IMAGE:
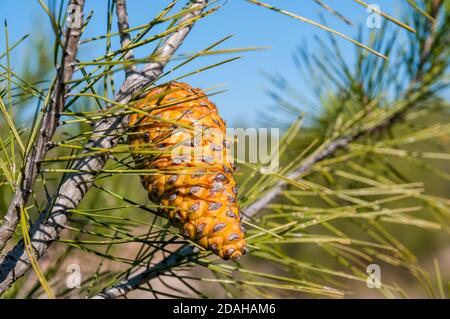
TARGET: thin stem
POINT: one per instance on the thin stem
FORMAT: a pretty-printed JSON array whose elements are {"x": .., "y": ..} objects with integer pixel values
[
  {"x": 125, "y": 38},
  {"x": 36, "y": 150}
]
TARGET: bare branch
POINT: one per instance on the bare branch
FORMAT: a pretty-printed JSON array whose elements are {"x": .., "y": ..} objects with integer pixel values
[
  {"x": 122, "y": 289},
  {"x": 106, "y": 135},
  {"x": 262, "y": 202},
  {"x": 125, "y": 38},
  {"x": 49, "y": 123},
  {"x": 168, "y": 48}
]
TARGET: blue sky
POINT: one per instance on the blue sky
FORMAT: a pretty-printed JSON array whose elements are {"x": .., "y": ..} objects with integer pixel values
[{"x": 250, "y": 26}]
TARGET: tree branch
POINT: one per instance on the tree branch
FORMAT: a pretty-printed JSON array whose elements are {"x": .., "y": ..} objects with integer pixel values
[
  {"x": 122, "y": 289},
  {"x": 48, "y": 127},
  {"x": 343, "y": 141},
  {"x": 106, "y": 135},
  {"x": 125, "y": 38}
]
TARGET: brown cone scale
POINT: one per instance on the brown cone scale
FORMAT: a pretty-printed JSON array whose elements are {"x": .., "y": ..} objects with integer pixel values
[{"x": 197, "y": 190}]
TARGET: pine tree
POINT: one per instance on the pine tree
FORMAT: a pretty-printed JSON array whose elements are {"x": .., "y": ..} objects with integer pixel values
[{"x": 361, "y": 182}]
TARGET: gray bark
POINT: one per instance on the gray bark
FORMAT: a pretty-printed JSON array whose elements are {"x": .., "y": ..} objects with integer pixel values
[{"x": 48, "y": 126}]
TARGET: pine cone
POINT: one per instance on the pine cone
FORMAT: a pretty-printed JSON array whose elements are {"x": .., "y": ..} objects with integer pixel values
[{"x": 197, "y": 191}]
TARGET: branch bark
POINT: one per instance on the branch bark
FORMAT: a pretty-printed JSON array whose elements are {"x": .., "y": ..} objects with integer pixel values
[
  {"x": 105, "y": 135},
  {"x": 123, "y": 288},
  {"x": 125, "y": 38},
  {"x": 48, "y": 126}
]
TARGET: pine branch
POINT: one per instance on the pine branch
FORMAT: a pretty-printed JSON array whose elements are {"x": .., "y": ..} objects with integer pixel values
[
  {"x": 125, "y": 38},
  {"x": 343, "y": 141},
  {"x": 48, "y": 127},
  {"x": 187, "y": 251},
  {"x": 162, "y": 54},
  {"x": 122, "y": 289},
  {"x": 428, "y": 45},
  {"x": 106, "y": 135}
]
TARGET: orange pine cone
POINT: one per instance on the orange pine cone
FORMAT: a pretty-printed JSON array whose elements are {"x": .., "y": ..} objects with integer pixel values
[{"x": 197, "y": 190}]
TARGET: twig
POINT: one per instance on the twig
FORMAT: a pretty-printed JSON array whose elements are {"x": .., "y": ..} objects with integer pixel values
[
  {"x": 106, "y": 135},
  {"x": 125, "y": 38},
  {"x": 123, "y": 288},
  {"x": 48, "y": 126},
  {"x": 162, "y": 54},
  {"x": 262, "y": 202}
]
